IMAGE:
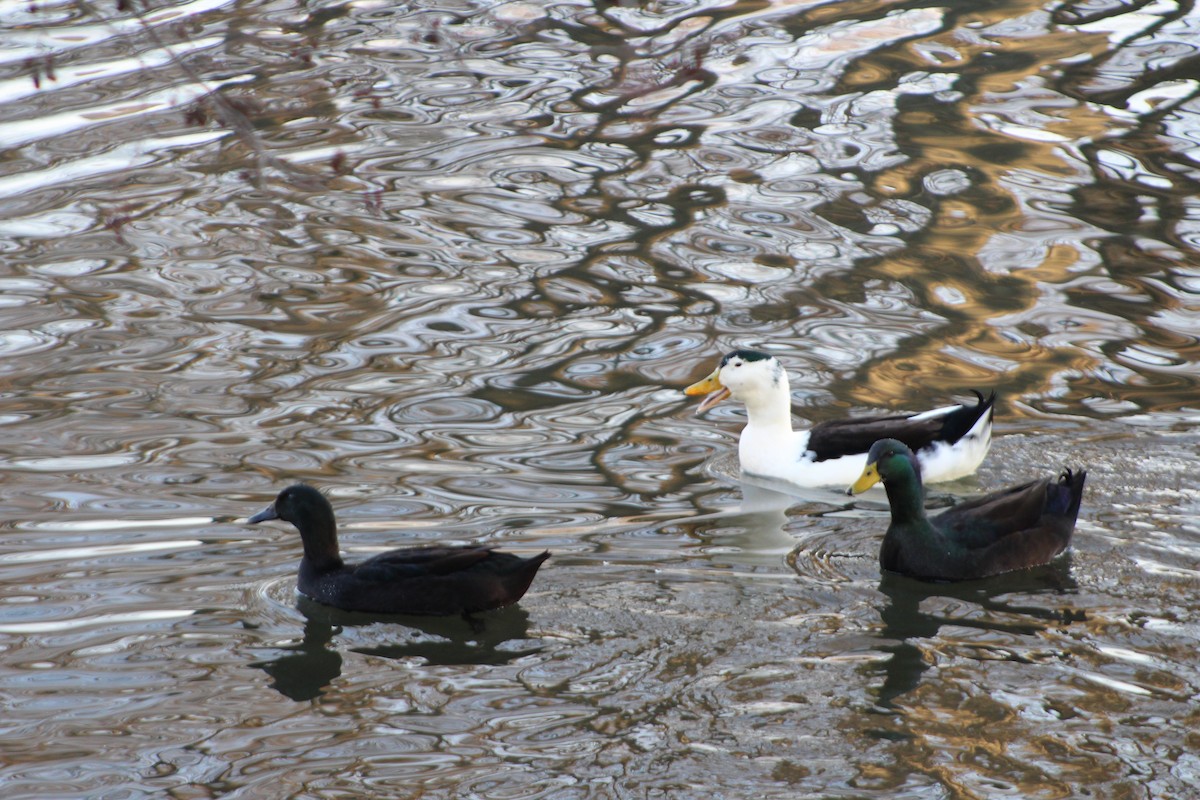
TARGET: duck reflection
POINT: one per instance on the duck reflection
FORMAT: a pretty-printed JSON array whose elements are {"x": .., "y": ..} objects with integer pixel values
[
  {"x": 754, "y": 532},
  {"x": 1009, "y": 602},
  {"x": 758, "y": 524},
  {"x": 309, "y": 666}
]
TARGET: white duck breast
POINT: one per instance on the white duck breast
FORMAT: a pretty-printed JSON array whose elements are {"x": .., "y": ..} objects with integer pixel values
[{"x": 950, "y": 442}]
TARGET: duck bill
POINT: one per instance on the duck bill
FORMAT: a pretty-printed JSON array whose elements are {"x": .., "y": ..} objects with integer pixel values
[
  {"x": 710, "y": 386},
  {"x": 264, "y": 515},
  {"x": 869, "y": 478}
]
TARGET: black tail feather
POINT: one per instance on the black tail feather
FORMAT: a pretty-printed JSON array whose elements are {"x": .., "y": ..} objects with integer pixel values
[
  {"x": 1070, "y": 492},
  {"x": 959, "y": 423}
]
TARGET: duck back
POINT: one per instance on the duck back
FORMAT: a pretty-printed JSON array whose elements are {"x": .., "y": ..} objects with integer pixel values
[{"x": 424, "y": 581}]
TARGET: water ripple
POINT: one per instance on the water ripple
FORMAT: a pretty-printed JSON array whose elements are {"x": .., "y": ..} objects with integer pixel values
[{"x": 454, "y": 267}]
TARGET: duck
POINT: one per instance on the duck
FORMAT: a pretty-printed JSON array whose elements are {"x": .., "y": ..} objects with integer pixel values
[
  {"x": 427, "y": 581},
  {"x": 950, "y": 441},
  {"x": 1010, "y": 529}
]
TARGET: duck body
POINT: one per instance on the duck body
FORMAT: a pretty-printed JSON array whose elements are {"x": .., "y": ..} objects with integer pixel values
[
  {"x": 1014, "y": 528},
  {"x": 950, "y": 442},
  {"x": 434, "y": 581}
]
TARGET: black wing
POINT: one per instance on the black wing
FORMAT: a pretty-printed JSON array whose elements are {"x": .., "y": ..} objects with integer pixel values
[
  {"x": 1039, "y": 504},
  {"x": 416, "y": 562},
  {"x": 843, "y": 437}
]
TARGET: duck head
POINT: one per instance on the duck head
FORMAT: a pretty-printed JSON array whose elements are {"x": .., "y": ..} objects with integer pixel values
[
  {"x": 742, "y": 374},
  {"x": 887, "y": 460},
  {"x": 311, "y": 513},
  {"x": 293, "y": 504}
]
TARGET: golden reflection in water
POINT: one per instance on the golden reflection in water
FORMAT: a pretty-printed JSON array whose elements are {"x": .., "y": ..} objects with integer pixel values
[
  {"x": 995, "y": 332},
  {"x": 965, "y": 352},
  {"x": 973, "y": 743}
]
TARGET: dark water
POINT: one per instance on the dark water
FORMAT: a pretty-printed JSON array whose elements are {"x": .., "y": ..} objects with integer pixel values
[{"x": 453, "y": 262}]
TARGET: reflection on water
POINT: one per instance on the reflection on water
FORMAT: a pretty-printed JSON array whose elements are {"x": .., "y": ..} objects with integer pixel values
[
  {"x": 309, "y": 666},
  {"x": 905, "y": 622},
  {"x": 751, "y": 533},
  {"x": 454, "y": 262},
  {"x": 314, "y": 662}
]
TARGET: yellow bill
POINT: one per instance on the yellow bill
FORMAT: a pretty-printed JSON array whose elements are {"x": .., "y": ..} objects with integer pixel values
[
  {"x": 869, "y": 478},
  {"x": 710, "y": 386}
]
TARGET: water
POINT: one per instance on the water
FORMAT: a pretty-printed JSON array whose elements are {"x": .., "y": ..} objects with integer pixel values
[{"x": 453, "y": 263}]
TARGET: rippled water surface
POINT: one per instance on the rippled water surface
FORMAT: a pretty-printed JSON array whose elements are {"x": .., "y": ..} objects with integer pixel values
[{"x": 452, "y": 262}]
